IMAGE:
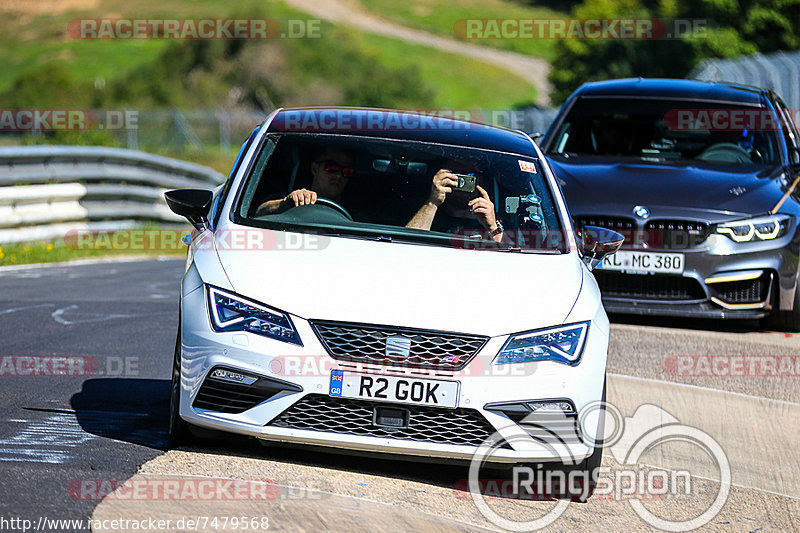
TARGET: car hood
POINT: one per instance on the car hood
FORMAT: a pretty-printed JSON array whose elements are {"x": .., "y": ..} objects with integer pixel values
[
  {"x": 354, "y": 280},
  {"x": 710, "y": 192}
]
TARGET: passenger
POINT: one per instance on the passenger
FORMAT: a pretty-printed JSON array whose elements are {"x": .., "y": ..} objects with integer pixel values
[
  {"x": 462, "y": 211},
  {"x": 331, "y": 170}
]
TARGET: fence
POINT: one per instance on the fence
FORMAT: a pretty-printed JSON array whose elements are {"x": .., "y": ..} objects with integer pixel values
[{"x": 779, "y": 71}]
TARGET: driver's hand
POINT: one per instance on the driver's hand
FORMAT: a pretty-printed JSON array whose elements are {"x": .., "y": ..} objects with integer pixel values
[
  {"x": 300, "y": 197},
  {"x": 443, "y": 182},
  {"x": 483, "y": 209}
]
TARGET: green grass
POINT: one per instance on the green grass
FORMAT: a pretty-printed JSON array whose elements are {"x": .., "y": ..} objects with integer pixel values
[
  {"x": 28, "y": 42},
  {"x": 458, "y": 83},
  {"x": 440, "y": 16},
  {"x": 147, "y": 241}
]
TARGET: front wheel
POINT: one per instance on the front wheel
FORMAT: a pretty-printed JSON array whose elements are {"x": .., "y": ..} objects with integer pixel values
[
  {"x": 786, "y": 320},
  {"x": 178, "y": 428}
]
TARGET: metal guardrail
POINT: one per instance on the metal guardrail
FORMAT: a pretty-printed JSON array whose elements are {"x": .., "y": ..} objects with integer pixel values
[{"x": 48, "y": 191}]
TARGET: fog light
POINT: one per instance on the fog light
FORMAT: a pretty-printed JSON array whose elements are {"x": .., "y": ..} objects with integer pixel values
[
  {"x": 232, "y": 377},
  {"x": 518, "y": 410},
  {"x": 552, "y": 407}
]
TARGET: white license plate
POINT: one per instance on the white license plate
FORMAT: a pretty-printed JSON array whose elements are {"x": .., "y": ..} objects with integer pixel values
[
  {"x": 644, "y": 262},
  {"x": 394, "y": 389}
]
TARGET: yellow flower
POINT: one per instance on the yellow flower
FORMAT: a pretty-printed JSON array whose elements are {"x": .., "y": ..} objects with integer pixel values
[
  {"x": 50, "y": 247},
  {"x": 27, "y": 248}
]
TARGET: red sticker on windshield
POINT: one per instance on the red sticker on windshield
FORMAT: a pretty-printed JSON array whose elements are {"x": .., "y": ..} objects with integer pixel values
[{"x": 527, "y": 166}]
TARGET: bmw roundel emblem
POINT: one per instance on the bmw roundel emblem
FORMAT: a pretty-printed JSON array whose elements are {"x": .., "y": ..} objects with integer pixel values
[{"x": 641, "y": 211}]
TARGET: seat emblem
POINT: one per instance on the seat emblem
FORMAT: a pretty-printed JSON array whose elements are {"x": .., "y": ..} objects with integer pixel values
[{"x": 398, "y": 346}]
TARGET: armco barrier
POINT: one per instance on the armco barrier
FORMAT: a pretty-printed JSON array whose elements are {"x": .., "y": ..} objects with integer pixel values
[{"x": 46, "y": 191}]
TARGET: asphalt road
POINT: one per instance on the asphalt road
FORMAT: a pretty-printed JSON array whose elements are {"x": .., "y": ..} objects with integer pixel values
[
  {"x": 113, "y": 324},
  {"x": 116, "y": 323}
]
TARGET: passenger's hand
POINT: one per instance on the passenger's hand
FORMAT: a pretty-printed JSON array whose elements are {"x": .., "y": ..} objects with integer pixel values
[
  {"x": 484, "y": 209},
  {"x": 443, "y": 182},
  {"x": 300, "y": 197}
]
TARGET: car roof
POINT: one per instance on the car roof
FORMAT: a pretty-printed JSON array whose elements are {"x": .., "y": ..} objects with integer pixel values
[
  {"x": 401, "y": 125},
  {"x": 675, "y": 88}
]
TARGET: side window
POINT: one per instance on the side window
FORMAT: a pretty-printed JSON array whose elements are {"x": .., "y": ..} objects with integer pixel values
[
  {"x": 254, "y": 181},
  {"x": 223, "y": 194}
]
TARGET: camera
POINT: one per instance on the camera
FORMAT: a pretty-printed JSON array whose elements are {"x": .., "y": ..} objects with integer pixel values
[{"x": 466, "y": 182}]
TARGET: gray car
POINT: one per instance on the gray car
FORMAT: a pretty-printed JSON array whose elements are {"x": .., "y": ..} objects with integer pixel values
[{"x": 702, "y": 179}]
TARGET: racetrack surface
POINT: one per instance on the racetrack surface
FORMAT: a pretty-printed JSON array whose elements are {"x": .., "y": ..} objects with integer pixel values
[{"x": 60, "y": 431}]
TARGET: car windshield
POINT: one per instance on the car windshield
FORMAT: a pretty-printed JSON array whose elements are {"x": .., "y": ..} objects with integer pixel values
[
  {"x": 664, "y": 130},
  {"x": 381, "y": 189}
]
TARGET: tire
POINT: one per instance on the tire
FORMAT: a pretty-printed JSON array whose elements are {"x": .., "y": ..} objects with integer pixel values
[
  {"x": 178, "y": 433},
  {"x": 590, "y": 466},
  {"x": 786, "y": 320}
]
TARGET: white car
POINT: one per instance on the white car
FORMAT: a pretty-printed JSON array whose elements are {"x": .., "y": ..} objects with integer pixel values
[{"x": 383, "y": 281}]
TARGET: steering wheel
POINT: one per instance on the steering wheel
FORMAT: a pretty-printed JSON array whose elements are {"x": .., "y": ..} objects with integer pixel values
[
  {"x": 333, "y": 205},
  {"x": 726, "y": 153}
]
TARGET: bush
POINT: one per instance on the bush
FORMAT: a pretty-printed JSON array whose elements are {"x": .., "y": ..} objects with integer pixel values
[{"x": 732, "y": 28}]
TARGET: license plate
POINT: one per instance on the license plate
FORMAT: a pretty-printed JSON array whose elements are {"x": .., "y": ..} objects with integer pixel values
[
  {"x": 644, "y": 262},
  {"x": 394, "y": 389}
]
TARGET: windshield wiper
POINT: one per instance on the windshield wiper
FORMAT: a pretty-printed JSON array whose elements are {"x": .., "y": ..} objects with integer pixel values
[
  {"x": 530, "y": 251},
  {"x": 377, "y": 238}
]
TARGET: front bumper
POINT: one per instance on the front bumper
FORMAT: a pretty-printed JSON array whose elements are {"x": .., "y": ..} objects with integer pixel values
[
  {"x": 721, "y": 280},
  {"x": 308, "y": 367}
]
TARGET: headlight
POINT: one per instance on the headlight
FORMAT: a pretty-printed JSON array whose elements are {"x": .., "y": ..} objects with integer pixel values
[
  {"x": 756, "y": 229},
  {"x": 230, "y": 312},
  {"x": 563, "y": 344}
]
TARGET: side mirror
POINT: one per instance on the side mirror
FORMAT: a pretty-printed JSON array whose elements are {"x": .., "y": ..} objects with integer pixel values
[
  {"x": 192, "y": 204},
  {"x": 794, "y": 156},
  {"x": 597, "y": 243}
]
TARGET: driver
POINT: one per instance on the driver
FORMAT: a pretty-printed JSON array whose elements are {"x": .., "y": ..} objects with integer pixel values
[
  {"x": 331, "y": 170},
  {"x": 611, "y": 138}
]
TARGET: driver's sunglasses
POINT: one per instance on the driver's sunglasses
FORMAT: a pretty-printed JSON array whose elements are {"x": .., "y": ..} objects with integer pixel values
[{"x": 332, "y": 167}]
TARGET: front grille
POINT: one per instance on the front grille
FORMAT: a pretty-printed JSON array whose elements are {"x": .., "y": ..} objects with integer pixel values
[
  {"x": 620, "y": 224},
  {"x": 675, "y": 234},
  {"x": 743, "y": 292},
  {"x": 656, "y": 234},
  {"x": 317, "y": 412},
  {"x": 226, "y": 397},
  {"x": 367, "y": 344},
  {"x": 648, "y": 286}
]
